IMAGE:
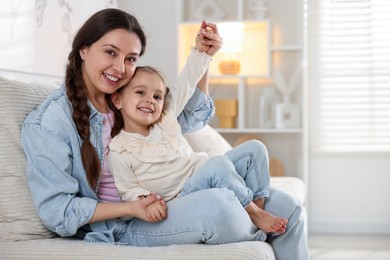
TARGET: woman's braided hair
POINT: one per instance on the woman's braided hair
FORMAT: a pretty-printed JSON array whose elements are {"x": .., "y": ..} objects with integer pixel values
[{"x": 94, "y": 28}]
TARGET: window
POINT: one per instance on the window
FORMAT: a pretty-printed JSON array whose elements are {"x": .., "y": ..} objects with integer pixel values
[{"x": 349, "y": 43}]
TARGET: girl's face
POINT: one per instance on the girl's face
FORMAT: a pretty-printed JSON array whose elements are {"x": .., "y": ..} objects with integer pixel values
[
  {"x": 141, "y": 102},
  {"x": 109, "y": 63}
]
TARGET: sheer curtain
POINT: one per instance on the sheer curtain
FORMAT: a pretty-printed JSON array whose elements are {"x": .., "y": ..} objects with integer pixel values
[{"x": 349, "y": 50}]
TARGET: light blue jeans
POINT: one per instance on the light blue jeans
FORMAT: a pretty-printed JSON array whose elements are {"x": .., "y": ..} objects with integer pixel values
[
  {"x": 217, "y": 216},
  {"x": 243, "y": 170}
]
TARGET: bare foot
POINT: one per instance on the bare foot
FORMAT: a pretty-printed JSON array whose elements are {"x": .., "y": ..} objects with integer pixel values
[{"x": 265, "y": 220}]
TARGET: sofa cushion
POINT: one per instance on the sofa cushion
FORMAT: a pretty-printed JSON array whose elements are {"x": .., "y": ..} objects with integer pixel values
[
  {"x": 18, "y": 219},
  {"x": 208, "y": 140},
  {"x": 66, "y": 248}
]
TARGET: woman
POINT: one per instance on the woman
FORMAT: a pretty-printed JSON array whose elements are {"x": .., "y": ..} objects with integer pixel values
[{"x": 65, "y": 177}]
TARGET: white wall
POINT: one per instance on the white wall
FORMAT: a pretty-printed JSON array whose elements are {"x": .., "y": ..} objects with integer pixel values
[
  {"x": 349, "y": 194},
  {"x": 158, "y": 18},
  {"x": 36, "y": 35}
]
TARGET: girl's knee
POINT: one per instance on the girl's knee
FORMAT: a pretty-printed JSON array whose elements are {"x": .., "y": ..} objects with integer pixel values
[
  {"x": 260, "y": 148},
  {"x": 257, "y": 147}
]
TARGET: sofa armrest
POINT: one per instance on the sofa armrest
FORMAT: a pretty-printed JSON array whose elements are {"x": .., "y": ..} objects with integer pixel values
[{"x": 291, "y": 185}]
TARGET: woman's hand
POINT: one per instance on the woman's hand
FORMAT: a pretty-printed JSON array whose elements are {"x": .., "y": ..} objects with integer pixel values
[
  {"x": 208, "y": 39},
  {"x": 138, "y": 208}
]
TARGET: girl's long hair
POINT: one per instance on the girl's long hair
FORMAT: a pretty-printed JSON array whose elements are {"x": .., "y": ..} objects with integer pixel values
[{"x": 93, "y": 29}]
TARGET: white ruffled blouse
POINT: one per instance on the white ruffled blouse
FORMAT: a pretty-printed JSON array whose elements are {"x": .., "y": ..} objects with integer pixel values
[{"x": 163, "y": 160}]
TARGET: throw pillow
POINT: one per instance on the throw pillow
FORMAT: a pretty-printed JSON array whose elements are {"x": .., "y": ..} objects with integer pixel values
[
  {"x": 18, "y": 218},
  {"x": 208, "y": 140}
]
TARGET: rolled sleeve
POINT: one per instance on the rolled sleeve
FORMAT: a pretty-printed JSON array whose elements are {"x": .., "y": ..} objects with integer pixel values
[{"x": 197, "y": 113}]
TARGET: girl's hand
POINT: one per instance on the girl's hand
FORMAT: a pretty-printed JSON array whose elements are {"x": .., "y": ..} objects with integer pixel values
[
  {"x": 153, "y": 208},
  {"x": 156, "y": 211},
  {"x": 137, "y": 208},
  {"x": 208, "y": 39}
]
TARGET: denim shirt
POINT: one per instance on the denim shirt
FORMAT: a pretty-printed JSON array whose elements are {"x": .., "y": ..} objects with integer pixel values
[{"x": 56, "y": 177}]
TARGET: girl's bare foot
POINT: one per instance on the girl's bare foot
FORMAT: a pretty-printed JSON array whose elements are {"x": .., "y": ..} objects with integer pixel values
[{"x": 265, "y": 220}]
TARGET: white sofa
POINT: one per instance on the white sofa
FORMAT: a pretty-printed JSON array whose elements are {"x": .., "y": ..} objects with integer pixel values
[{"x": 23, "y": 236}]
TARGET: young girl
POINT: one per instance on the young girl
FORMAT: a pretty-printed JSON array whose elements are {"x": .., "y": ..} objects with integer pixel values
[{"x": 150, "y": 155}]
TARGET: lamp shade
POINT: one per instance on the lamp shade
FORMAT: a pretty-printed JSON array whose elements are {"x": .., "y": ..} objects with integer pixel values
[
  {"x": 233, "y": 36},
  {"x": 247, "y": 42}
]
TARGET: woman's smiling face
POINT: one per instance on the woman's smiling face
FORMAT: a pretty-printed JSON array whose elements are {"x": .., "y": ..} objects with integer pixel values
[{"x": 109, "y": 63}]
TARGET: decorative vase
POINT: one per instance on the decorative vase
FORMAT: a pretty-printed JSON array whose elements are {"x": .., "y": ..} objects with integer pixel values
[
  {"x": 268, "y": 101},
  {"x": 287, "y": 114},
  {"x": 230, "y": 66},
  {"x": 226, "y": 110}
]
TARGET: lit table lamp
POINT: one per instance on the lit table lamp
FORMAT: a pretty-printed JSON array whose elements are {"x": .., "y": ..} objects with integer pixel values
[
  {"x": 233, "y": 37},
  {"x": 245, "y": 51}
]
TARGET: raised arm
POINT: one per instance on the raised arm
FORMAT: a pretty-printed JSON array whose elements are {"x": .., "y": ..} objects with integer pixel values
[
  {"x": 200, "y": 109},
  {"x": 208, "y": 41}
]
